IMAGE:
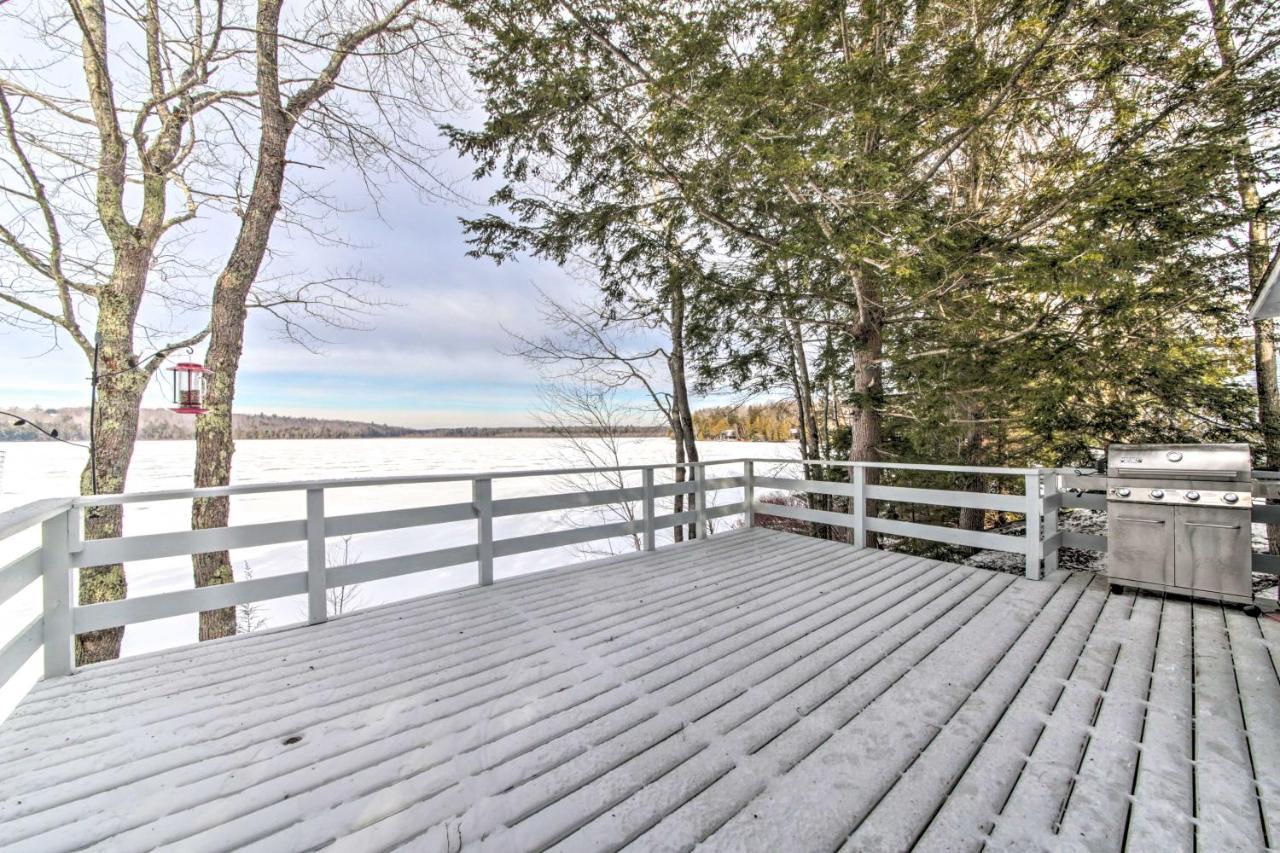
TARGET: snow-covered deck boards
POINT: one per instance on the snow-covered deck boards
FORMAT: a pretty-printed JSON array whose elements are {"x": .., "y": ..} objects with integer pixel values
[{"x": 756, "y": 691}]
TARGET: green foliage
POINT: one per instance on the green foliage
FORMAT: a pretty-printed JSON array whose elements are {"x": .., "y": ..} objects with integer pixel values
[{"x": 1003, "y": 228}]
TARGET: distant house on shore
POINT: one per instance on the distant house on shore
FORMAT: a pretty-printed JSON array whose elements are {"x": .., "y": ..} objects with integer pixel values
[{"x": 729, "y": 435}]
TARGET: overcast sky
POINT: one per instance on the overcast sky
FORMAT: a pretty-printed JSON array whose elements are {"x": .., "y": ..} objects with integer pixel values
[
  {"x": 436, "y": 352},
  {"x": 434, "y": 357}
]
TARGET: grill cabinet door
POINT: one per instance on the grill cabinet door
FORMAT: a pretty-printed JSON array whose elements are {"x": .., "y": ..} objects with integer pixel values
[
  {"x": 1213, "y": 549},
  {"x": 1140, "y": 543}
]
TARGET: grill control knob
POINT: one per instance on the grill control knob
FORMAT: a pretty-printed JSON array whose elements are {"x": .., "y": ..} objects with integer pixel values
[
  {"x": 1231, "y": 497},
  {"x": 1157, "y": 494},
  {"x": 1124, "y": 493},
  {"x": 1192, "y": 496}
]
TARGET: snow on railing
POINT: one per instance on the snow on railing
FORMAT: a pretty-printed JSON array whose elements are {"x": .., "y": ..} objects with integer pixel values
[{"x": 63, "y": 549}]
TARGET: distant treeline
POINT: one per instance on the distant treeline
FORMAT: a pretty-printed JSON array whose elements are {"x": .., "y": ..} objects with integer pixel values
[
  {"x": 773, "y": 421},
  {"x": 163, "y": 425},
  {"x": 537, "y": 432}
]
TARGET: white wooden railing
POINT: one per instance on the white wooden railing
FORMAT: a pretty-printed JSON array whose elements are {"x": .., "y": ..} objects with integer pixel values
[
  {"x": 1040, "y": 550},
  {"x": 63, "y": 549}
]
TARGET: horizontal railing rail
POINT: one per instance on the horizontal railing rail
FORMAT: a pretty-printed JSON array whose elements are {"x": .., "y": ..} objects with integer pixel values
[{"x": 371, "y": 482}]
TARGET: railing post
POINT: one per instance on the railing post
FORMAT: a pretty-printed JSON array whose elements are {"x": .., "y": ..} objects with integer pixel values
[
  {"x": 482, "y": 500},
  {"x": 1051, "y": 520},
  {"x": 317, "y": 590},
  {"x": 749, "y": 493},
  {"x": 858, "y": 504},
  {"x": 647, "y": 503},
  {"x": 700, "y": 478},
  {"x": 1033, "y": 537},
  {"x": 55, "y": 567}
]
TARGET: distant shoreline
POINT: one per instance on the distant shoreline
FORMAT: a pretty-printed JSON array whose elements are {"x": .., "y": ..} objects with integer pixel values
[
  {"x": 43, "y": 440},
  {"x": 72, "y": 424}
]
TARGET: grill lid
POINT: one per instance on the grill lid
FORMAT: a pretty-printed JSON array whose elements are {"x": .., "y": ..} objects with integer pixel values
[{"x": 1224, "y": 462}]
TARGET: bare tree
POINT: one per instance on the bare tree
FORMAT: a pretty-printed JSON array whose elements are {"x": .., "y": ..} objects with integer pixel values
[
  {"x": 250, "y": 616},
  {"x": 605, "y": 349},
  {"x": 136, "y": 121},
  {"x": 350, "y": 81},
  {"x": 90, "y": 171},
  {"x": 591, "y": 425},
  {"x": 347, "y": 597}
]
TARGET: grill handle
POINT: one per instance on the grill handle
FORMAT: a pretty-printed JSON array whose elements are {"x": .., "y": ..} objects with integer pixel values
[
  {"x": 1141, "y": 520},
  {"x": 1207, "y": 524},
  {"x": 1216, "y": 474}
]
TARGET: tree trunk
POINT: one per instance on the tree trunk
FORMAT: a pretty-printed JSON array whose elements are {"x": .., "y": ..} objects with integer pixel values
[
  {"x": 802, "y": 434},
  {"x": 120, "y": 380},
  {"x": 677, "y": 501},
  {"x": 1264, "y": 360},
  {"x": 214, "y": 442},
  {"x": 864, "y": 416},
  {"x": 680, "y": 390},
  {"x": 215, "y": 447},
  {"x": 1246, "y": 168},
  {"x": 810, "y": 445},
  {"x": 972, "y": 452},
  {"x": 809, "y": 421},
  {"x": 115, "y": 428}
]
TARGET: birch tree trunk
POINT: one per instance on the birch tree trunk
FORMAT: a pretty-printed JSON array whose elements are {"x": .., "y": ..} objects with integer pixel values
[
  {"x": 123, "y": 378},
  {"x": 215, "y": 444},
  {"x": 404, "y": 33}
]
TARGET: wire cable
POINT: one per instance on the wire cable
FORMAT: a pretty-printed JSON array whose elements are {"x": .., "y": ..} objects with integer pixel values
[{"x": 20, "y": 420}]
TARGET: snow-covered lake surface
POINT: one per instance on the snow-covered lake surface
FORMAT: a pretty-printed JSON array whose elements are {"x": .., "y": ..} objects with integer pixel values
[{"x": 34, "y": 470}]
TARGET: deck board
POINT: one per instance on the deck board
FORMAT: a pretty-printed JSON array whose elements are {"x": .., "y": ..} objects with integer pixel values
[
  {"x": 1093, "y": 817},
  {"x": 965, "y": 817},
  {"x": 904, "y": 813},
  {"x": 757, "y": 691},
  {"x": 864, "y": 751},
  {"x": 1162, "y": 811},
  {"x": 1044, "y": 781},
  {"x": 1227, "y": 814},
  {"x": 1260, "y": 704}
]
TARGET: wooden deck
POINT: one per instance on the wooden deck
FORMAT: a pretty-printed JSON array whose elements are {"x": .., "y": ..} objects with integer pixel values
[{"x": 756, "y": 691}]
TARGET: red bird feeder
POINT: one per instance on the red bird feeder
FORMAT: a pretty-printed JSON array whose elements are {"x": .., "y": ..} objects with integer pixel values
[{"x": 189, "y": 381}]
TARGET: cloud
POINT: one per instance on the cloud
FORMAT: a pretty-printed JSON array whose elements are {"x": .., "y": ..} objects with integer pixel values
[{"x": 437, "y": 352}]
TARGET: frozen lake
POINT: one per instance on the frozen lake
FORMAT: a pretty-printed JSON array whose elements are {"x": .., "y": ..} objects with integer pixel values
[{"x": 35, "y": 470}]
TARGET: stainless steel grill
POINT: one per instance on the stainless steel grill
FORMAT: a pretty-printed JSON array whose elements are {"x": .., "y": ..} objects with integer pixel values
[{"x": 1179, "y": 519}]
